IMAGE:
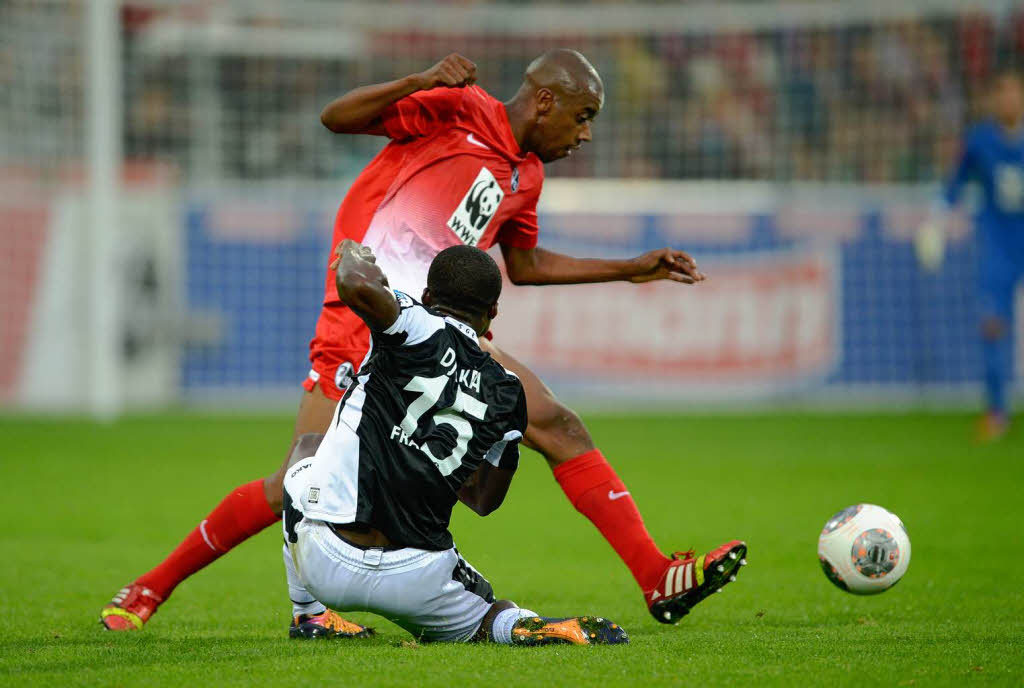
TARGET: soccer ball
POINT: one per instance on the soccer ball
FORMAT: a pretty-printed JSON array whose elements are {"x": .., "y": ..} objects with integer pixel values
[{"x": 864, "y": 549}]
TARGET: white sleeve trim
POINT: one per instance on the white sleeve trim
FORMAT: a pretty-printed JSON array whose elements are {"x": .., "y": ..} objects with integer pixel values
[
  {"x": 417, "y": 324},
  {"x": 493, "y": 455}
]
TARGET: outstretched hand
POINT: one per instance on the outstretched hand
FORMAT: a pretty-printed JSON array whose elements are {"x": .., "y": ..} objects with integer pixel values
[
  {"x": 454, "y": 71},
  {"x": 666, "y": 264}
]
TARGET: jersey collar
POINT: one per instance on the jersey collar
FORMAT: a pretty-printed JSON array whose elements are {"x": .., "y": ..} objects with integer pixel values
[
  {"x": 508, "y": 138},
  {"x": 462, "y": 327}
]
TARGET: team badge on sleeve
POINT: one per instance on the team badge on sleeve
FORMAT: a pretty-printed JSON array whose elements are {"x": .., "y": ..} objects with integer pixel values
[
  {"x": 404, "y": 300},
  {"x": 343, "y": 376}
]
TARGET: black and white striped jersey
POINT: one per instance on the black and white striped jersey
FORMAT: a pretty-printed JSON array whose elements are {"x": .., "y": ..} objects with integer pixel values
[{"x": 427, "y": 409}]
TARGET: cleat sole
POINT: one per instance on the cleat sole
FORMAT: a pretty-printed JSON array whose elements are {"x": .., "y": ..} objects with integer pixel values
[
  {"x": 586, "y": 630},
  {"x": 117, "y": 619},
  {"x": 305, "y": 633}
]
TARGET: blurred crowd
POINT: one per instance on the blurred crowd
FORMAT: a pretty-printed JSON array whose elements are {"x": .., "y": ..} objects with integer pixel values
[{"x": 874, "y": 103}]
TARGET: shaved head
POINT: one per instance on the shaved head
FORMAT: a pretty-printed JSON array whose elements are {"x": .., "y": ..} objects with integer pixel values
[
  {"x": 565, "y": 71},
  {"x": 560, "y": 96}
]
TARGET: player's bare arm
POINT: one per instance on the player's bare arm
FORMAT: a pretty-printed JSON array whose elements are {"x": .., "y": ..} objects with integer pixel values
[
  {"x": 486, "y": 489},
  {"x": 362, "y": 285},
  {"x": 304, "y": 447},
  {"x": 540, "y": 266},
  {"x": 358, "y": 111}
]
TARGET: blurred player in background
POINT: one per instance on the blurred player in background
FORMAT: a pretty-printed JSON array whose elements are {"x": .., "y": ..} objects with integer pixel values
[
  {"x": 992, "y": 155},
  {"x": 461, "y": 167}
]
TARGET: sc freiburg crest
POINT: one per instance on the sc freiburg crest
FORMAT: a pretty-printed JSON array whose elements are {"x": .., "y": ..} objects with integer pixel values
[{"x": 343, "y": 376}]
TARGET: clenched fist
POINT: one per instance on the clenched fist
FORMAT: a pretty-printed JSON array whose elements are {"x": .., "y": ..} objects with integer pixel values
[
  {"x": 354, "y": 247},
  {"x": 454, "y": 71}
]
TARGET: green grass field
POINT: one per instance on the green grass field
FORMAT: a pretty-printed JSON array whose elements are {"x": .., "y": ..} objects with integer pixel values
[{"x": 89, "y": 507}]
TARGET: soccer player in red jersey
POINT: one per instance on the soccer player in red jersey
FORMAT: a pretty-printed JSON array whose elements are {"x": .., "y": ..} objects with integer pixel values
[{"x": 461, "y": 167}]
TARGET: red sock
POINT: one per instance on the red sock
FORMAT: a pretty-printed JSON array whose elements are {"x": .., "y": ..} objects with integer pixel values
[
  {"x": 593, "y": 487},
  {"x": 242, "y": 514}
]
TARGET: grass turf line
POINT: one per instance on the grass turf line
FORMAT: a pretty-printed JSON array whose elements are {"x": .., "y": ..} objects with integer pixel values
[{"x": 89, "y": 507}]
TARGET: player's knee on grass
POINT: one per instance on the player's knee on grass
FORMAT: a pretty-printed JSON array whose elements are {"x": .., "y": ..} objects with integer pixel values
[
  {"x": 993, "y": 328},
  {"x": 557, "y": 432}
]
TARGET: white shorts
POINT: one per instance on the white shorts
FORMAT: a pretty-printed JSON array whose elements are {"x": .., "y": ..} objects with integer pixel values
[{"x": 436, "y": 596}]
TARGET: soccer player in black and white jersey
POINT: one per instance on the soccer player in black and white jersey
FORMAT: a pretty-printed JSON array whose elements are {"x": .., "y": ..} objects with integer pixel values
[{"x": 431, "y": 420}]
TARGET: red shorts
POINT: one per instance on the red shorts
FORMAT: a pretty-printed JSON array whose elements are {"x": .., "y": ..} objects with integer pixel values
[{"x": 337, "y": 350}]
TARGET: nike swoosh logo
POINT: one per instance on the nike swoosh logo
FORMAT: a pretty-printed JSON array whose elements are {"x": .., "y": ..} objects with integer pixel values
[
  {"x": 612, "y": 495},
  {"x": 472, "y": 139}
]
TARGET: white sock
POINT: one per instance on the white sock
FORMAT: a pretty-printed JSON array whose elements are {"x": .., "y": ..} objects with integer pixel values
[
  {"x": 504, "y": 621},
  {"x": 302, "y": 601}
]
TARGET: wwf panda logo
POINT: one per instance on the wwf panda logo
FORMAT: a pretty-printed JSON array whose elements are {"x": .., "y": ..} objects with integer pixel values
[
  {"x": 477, "y": 208},
  {"x": 482, "y": 202}
]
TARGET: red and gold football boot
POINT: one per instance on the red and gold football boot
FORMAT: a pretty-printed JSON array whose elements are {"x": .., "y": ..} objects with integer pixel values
[
  {"x": 688, "y": 580},
  {"x": 130, "y": 609}
]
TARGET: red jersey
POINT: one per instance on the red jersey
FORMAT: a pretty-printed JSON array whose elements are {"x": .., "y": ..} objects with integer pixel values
[{"x": 451, "y": 174}]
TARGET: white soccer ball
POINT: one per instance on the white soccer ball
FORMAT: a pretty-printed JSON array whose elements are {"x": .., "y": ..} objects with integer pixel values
[{"x": 864, "y": 549}]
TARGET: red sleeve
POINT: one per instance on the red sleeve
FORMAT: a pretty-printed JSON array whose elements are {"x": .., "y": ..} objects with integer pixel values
[
  {"x": 520, "y": 231},
  {"x": 421, "y": 113}
]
